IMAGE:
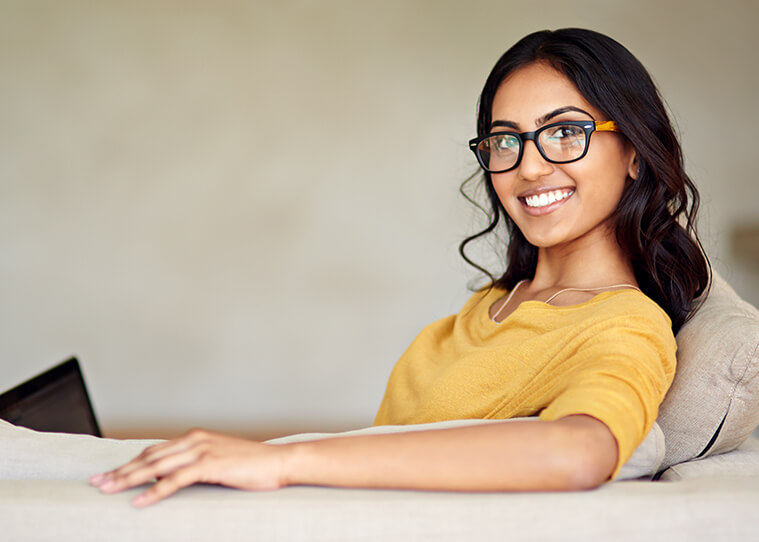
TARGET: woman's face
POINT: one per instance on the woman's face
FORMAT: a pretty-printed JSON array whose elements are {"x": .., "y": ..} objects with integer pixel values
[{"x": 583, "y": 193}]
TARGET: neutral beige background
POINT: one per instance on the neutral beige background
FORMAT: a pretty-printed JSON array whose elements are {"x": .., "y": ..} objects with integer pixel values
[{"x": 238, "y": 214}]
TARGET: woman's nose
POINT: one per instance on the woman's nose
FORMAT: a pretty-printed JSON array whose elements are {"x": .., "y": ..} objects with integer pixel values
[{"x": 533, "y": 165}]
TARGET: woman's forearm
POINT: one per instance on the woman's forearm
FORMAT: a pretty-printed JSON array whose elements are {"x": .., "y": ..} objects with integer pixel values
[
  {"x": 576, "y": 452},
  {"x": 573, "y": 453}
]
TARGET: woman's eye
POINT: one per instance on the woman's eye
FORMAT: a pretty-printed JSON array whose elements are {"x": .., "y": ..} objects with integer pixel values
[
  {"x": 505, "y": 143},
  {"x": 565, "y": 131}
]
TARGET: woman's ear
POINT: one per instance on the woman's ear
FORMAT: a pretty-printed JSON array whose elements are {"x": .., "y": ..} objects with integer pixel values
[{"x": 633, "y": 166}]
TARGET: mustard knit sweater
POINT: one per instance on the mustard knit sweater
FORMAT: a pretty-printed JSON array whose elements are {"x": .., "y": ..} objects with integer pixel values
[{"x": 612, "y": 357}]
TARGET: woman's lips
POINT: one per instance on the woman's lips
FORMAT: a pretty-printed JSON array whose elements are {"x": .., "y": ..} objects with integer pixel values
[{"x": 545, "y": 202}]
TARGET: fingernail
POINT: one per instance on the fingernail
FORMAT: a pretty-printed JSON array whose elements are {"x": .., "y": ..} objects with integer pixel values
[
  {"x": 96, "y": 479},
  {"x": 140, "y": 500},
  {"x": 107, "y": 485}
]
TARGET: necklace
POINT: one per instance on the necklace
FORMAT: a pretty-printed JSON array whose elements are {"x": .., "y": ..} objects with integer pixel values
[{"x": 547, "y": 301}]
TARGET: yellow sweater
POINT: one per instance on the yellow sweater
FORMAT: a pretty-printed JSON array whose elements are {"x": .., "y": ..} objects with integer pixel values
[{"x": 612, "y": 357}]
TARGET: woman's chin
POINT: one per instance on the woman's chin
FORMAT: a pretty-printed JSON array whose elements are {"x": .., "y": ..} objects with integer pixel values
[{"x": 544, "y": 237}]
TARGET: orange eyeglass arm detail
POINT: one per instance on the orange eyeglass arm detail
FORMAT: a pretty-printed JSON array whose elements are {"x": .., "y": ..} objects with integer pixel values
[{"x": 607, "y": 126}]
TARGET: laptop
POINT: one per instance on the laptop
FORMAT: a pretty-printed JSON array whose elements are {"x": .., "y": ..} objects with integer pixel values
[{"x": 54, "y": 401}]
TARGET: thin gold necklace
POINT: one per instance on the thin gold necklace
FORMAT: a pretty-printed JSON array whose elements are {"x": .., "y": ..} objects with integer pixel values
[{"x": 547, "y": 301}]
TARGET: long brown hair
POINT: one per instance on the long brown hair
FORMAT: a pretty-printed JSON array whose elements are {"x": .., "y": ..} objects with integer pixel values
[{"x": 656, "y": 215}]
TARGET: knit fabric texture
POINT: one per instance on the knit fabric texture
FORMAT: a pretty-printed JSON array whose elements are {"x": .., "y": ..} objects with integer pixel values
[{"x": 611, "y": 357}]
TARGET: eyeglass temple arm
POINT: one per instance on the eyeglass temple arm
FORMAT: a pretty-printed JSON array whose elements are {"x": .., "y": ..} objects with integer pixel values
[{"x": 607, "y": 126}]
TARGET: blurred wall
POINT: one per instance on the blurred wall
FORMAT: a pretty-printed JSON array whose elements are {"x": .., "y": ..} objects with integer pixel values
[{"x": 238, "y": 214}]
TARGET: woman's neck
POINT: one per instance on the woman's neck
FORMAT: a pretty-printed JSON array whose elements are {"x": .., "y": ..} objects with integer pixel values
[{"x": 583, "y": 264}]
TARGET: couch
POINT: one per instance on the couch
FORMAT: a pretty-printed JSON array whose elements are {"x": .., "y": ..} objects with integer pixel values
[{"x": 695, "y": 477}]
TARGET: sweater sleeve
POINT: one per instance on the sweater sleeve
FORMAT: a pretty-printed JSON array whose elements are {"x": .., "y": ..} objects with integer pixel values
[{"x": 620, "y": 376}]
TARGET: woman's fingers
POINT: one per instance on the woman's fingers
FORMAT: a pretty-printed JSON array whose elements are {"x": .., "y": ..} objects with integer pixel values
[
  {"x": 168, "y": 485},
  {"x": 150, "y": 456},
  {"x": 199, "y": 456},
  {"x": 160, "y": 468}
]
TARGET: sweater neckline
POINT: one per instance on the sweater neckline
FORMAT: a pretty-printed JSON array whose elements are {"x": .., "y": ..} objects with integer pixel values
[{"x": 536, "y": 304}]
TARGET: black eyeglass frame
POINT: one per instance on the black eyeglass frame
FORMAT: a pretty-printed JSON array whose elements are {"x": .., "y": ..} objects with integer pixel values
[{"x": 588, "y": 126}]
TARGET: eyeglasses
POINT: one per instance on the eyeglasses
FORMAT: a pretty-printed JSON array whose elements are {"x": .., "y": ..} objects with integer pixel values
[{"x": 558, "y": 143}]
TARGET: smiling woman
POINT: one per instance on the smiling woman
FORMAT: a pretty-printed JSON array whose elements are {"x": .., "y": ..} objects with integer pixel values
[
  {"x": 589, "y": 179},
  {"x": 578, "y": 331},
  {"x": 631, "y": 185}
]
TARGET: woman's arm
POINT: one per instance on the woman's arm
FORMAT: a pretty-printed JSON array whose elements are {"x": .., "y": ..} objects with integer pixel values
[{"x": 575, "y": 452}]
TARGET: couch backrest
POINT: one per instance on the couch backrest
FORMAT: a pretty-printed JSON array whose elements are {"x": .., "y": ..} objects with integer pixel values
[{"x": 713, "y": 404}]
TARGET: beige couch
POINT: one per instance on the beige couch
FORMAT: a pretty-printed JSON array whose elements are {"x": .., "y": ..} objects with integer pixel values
[
  {"x": 715, "y": 499},
  {"x": 707, "y": 488}
]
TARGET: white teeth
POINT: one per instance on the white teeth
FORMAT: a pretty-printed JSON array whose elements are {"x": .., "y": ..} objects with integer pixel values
[{"x": 547, "y": 198}]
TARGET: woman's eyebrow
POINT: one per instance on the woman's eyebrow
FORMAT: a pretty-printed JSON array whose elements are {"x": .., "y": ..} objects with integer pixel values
[
  {"x": 556, "y": 112},
  {"x": 505, "y": 124},
  {"x": 542, "y": 120}
]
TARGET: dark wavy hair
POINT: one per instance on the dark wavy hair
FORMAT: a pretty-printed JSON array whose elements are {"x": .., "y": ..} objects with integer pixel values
[{"x": 655, "y": 218}]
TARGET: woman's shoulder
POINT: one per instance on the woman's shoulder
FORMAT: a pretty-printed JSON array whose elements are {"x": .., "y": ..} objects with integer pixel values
[
  {"x": 483, "y": 297},
  {"x": 627, "y": 306}
]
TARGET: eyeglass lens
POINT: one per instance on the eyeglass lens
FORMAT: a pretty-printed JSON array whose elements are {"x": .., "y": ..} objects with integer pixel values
[{"x": 557, "y": 143}]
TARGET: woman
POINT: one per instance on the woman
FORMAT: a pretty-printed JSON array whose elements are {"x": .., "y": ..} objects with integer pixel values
[{"x": 602, "y": 268}]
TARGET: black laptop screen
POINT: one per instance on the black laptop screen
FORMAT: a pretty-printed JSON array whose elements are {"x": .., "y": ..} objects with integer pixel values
[{"x": 54, "y": 401}]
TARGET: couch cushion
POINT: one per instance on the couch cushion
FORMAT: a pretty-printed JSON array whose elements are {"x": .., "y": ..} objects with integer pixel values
[
  {"x": 742, "y": 462},
  {"x": 33, "y": 455},
  {"x": 694, "y": 510},
  {"x": 713, "y": 404}
]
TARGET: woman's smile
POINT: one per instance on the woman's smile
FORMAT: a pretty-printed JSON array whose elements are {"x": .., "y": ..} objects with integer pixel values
[{"x": 543, "y": 201}]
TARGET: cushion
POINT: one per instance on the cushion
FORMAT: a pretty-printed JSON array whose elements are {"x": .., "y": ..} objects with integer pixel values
[
  {"x": 33, "y": 455},
  {"x": 27, "y": 454},
  {"x": 692, "y": 510},
  {"x": 741, "y": 462},
  {"x": 713, "y": 404}
]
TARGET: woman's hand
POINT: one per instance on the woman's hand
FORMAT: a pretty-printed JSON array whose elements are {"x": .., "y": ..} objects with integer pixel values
[{"x": 198, "y": 456}]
